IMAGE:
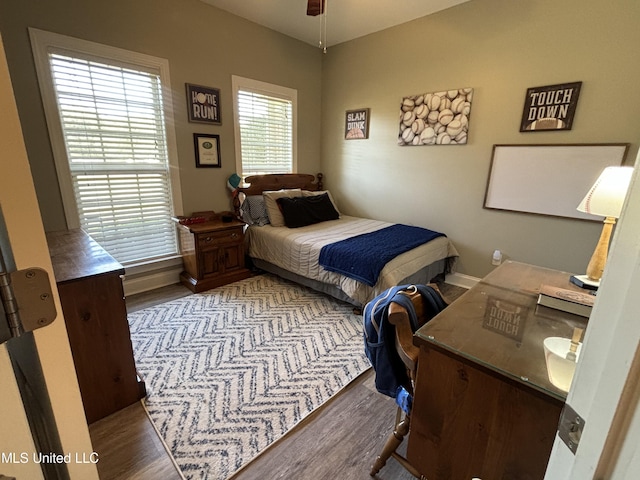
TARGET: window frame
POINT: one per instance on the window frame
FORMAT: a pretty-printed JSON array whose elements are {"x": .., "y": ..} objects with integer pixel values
[
  {"x": 42, "y": 43},
  {"x": 272, "y": 90}
]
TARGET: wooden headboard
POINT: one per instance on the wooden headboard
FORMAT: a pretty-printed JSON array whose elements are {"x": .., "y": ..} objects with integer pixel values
[{"x": 256, "y": 184}]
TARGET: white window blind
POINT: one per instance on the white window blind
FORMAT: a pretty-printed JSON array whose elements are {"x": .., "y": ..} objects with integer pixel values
[
  {"x": 113, "y": 125},
  {"x": 265, "y": 127}
]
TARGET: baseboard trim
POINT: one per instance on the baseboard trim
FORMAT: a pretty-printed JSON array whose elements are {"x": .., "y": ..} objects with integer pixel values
[
  {"x": 151, "y": 281},
  {"x": 461, "y": 280}
]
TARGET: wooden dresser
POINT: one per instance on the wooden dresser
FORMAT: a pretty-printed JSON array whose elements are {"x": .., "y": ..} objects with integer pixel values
[
  {"x": 484, "y": 405},
  {"x": 213, "y": 254},
  {"x": 92, "y": 297}
]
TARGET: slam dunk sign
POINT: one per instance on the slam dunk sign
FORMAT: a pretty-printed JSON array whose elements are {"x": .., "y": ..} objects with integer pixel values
[
  {"x": 203, "y": 104},
  {"x": 550, "y": 108}
]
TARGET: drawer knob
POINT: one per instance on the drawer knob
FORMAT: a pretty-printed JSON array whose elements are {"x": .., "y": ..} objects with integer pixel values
[
  {"x": 234, "y": 235},
  {"x": 208, "y": 239}
]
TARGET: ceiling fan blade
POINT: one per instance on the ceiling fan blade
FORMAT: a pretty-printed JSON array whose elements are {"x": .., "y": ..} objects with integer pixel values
[{"x": 315, "y": 7}]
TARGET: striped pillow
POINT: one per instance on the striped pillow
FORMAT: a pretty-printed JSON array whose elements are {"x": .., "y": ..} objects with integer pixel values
[{"x": 254, "y": 211}]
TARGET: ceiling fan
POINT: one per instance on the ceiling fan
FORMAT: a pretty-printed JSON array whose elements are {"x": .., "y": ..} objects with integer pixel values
[{"x": 315, "y": 7}]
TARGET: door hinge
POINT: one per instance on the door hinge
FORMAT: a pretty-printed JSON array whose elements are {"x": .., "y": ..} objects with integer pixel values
[
  {"x": 27, "y": 300},
  {"x": 570, "y": 427}
]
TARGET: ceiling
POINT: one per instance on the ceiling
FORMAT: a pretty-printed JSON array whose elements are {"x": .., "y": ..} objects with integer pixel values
[{"x": 345, "y": 19}]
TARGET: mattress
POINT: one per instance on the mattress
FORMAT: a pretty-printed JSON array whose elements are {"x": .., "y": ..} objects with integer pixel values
[{"x": 297, "y": 250}]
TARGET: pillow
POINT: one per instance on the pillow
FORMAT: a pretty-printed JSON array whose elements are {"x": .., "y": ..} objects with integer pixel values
[
  {"x": 273, "y": 211},
  {"x": 309, "y": 193},
  {"x": 303, "y": 211},
  {"x": 254, "y": 211}
]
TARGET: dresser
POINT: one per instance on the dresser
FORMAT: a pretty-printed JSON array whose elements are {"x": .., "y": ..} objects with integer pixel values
[
  {"x": 213, "y": 254},
  {"x": 484, "y": 405},
  {"x": 89, "y": 282}
]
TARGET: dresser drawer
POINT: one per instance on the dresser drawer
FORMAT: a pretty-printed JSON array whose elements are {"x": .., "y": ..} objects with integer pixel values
[{"x": 213, "y": 239}]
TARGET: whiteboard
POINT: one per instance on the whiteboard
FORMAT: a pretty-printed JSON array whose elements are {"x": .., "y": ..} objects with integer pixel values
[{"x": 548, "y": 179}]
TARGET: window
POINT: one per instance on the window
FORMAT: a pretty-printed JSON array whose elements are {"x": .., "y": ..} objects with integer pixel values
[
  {"x": 112, "y": 149},
  {"x": 265, "y": 127}
]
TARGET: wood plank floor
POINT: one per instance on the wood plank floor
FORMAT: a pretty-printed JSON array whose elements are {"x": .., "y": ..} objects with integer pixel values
[
  {"x": 126, "y": 441},
  {"x": 339, "y": 440}
]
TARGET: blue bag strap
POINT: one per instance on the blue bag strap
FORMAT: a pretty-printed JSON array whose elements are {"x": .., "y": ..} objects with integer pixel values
[{"x": 433, "y": 298}]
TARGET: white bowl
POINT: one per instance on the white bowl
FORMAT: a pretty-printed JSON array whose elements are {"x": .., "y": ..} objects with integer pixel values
[{"x": 559, "y": 369}]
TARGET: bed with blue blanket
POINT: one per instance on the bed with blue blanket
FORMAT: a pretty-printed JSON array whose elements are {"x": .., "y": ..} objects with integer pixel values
[{"x": 296, "y": 231}]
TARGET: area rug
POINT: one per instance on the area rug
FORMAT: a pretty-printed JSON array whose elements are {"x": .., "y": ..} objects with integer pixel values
[{"x": 231, "y": 370}]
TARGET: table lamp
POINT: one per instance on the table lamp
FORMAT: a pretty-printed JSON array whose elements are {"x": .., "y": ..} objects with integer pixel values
[{"x": 605, "y": 199}]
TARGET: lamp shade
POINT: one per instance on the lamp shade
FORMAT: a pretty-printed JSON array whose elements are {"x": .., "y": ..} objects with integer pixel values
[{"x": 607, "y": 195}]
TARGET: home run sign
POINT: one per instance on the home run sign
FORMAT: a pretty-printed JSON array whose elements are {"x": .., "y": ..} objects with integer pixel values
[{"x": 203, "y": 104}]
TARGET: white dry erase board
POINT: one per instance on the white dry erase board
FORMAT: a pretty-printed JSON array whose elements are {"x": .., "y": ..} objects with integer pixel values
[{"x": 548, "y": 179}]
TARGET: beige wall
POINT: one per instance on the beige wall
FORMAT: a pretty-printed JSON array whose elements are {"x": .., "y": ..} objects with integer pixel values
[
  {"x": 500, "y": 48},
  {"x": 204, "y": 46}
]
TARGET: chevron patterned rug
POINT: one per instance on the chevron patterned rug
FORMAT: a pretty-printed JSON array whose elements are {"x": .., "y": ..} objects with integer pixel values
[{"x": 231, "y": 370}]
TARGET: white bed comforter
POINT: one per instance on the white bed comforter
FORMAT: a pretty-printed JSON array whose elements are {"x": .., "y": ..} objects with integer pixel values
[{"x": 298, "y": 249}]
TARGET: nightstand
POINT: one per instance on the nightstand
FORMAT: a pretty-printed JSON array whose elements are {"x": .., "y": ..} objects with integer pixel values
[{"x": 213, "y": 254}]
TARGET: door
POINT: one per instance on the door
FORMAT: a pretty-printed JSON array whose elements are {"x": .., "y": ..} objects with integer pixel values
[
  {"x": 41, "y": 409},
  {"x": 22, "y": 376}
]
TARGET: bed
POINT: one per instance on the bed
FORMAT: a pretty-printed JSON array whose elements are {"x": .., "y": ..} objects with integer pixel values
[{"x": 293, "y": 225}]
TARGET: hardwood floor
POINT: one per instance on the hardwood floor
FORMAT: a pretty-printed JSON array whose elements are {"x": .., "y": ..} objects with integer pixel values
[
  {"x": 126, "y": 441},
  {"x": 339, "y": 440},
  {"x": 129, "y": 447}
]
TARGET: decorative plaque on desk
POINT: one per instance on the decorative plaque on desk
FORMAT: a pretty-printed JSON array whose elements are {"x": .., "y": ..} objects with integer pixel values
[{"x": 505, "y": 318}]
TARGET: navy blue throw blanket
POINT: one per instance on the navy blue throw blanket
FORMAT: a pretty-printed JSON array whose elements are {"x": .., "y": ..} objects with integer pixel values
[{"x": 364, "y": 256}]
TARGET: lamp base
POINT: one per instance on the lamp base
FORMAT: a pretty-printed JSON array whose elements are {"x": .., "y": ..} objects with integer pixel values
[{"x": 583, "y": 281}]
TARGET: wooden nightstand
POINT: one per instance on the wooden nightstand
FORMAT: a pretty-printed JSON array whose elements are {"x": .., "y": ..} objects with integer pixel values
[{"x": 213, "y": 254}]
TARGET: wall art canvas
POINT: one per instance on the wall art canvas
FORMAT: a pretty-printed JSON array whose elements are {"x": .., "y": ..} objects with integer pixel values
[
  {"x": 551, "y": 107},
  {"x": 437, "y": 118}
]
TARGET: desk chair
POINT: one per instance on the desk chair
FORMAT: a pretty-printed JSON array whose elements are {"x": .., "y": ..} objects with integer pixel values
[{"x": 400, "y": 318}]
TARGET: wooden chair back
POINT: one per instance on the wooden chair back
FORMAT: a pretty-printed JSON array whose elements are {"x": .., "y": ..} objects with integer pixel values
[{"x": 399, "y": 317}]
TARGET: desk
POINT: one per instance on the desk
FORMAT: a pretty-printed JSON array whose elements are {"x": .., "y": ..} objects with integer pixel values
[
  {"x": 90, "y": 287},
  {"x": 484, "y": 406}
]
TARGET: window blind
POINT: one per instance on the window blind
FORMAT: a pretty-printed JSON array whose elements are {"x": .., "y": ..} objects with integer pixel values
[
  {"x": 266, "y": 133},
  {"x": 113, "y": 126}
]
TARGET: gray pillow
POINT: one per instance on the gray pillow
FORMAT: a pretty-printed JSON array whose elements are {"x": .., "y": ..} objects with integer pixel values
[{"x": 254, "y": 211}]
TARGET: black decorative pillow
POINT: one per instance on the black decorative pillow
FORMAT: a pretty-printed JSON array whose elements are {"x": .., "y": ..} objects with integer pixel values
[{"x": 303, "y": 211}]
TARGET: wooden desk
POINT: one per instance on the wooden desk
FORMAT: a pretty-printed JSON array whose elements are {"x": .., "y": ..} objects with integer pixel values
[
  {"x": 90, "y": 287},
  {"x": 484, "y": 406}
]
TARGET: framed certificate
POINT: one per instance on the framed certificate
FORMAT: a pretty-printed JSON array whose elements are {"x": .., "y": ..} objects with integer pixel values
[{"x": 207, "y": 150}]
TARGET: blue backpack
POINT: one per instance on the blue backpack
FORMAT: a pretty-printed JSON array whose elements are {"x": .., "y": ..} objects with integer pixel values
[{"x": 379, "y": 336}]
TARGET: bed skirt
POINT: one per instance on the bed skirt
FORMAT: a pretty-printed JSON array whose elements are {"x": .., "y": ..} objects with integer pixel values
[{"x": 423, "y": 276}]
